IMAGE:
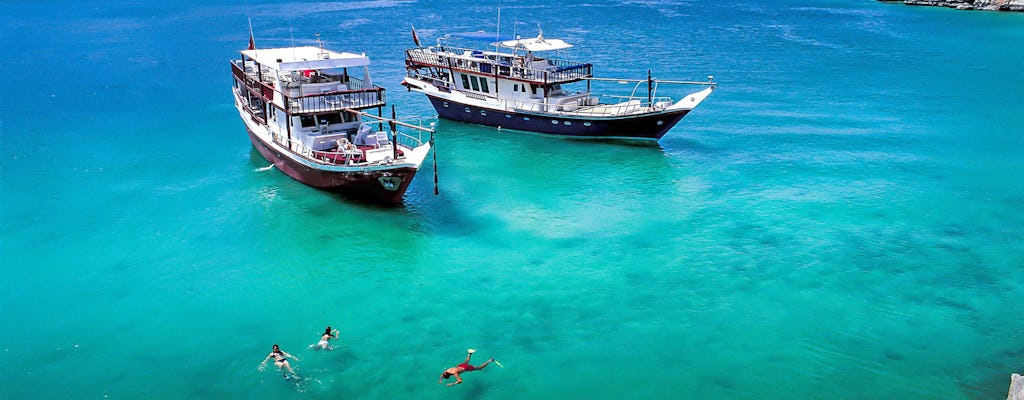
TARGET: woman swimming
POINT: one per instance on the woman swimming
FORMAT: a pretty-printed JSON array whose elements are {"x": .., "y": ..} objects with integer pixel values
[
  {"x": 323, "y": 343},
  {"x": 280, "y": 360}
]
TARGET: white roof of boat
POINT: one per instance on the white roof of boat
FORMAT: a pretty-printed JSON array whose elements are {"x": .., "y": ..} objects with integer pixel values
[
  {"x": 305, "y": 57},
  {"x": 538, "y": 43}
]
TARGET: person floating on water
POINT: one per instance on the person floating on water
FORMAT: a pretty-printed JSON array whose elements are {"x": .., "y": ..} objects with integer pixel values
[
  {"x": 280, "y": 360},
  {"x": 323, "y": 343},
  {"x": 464, "y": 367}
]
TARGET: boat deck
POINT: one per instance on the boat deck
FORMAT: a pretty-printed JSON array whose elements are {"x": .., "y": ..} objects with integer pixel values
[{"x": 351, "y": 156}]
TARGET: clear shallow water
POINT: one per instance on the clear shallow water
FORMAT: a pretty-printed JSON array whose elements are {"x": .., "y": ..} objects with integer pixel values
[{"x": 841, "y": 218}]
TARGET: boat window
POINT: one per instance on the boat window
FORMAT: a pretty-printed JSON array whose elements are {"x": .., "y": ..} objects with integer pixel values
[
  {"x": 484, "y": 84},
  {"x": 307, "y": 121},
  {"x": 330, "y": 118},
  {"x": 533, "y": 88},
  {"x": 465, "y": 81},
  {"x": 476, "y": 86}
]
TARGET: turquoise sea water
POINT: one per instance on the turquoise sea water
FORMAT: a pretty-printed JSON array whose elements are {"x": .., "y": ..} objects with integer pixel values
[{"x": 841, "y": 219}]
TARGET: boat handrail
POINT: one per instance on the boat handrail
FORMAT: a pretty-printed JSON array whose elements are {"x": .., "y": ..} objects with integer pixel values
[
  {"x": 654, "y": 100},
  {"x": 555, "y": 71},
  {"x": 335, "y": 101},
  {"x": 441, "y": 84},
  {"x": 708, "y": 82},
  {"x": 320, "y": 156},
  {"x": 342, "y": 92},
  {"x": 389, "y": 120},
  {"x": 627, "y": 105}
]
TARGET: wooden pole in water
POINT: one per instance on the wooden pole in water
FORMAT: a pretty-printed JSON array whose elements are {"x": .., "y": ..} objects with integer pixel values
[
  {"x": 394, "y": 134},
  {"x": 434, "y": 150}
]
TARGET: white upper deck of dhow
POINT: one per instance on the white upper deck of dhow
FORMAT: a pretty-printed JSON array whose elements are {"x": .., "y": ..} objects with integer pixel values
[{"x": 305, "y": 58}]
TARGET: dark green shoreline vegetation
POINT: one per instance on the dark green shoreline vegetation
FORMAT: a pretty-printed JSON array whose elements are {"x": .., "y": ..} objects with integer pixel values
[{"x": 988, "y": 5}]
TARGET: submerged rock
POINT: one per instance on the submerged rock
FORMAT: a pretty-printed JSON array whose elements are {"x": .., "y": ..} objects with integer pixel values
[{"x": 1016, "y": 388}]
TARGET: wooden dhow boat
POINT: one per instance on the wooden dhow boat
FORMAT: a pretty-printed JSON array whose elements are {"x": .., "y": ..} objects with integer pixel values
[{"x": 304, "y": 110}]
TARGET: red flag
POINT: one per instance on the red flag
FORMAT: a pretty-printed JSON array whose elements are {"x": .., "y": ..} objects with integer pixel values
[
  {"x": 415, "y": 39},
  {"x": 252, "y": 41}
]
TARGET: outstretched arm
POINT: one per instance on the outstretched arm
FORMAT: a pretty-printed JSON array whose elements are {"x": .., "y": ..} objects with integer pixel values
[
  {"x": 290, "y": 356},
  {"x": 458, "y": 380},
  {"x": 335, "y": 333},
  {"x": 264, "y": 363}
]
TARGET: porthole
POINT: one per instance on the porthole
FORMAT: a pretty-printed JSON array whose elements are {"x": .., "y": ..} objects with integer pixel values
[
  {"x": 445, "y": 104},
  {"x": 660, "y": 123},
  {"x": 554, "y": 121},
  {"x": 482, "y": 112},
  {"x": 467, "y": 109},
  {"x": 587, "y": 123},
  {"x": 526, "y": 118},
  {"x": 508, "y": 116},
  {"x": 568, "y": 122}
]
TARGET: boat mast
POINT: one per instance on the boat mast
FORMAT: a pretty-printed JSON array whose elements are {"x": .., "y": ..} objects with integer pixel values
[{"x": 497, "y": 35}]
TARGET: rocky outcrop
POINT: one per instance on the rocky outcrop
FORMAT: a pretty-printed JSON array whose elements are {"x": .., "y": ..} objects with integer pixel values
[
  {"x": 1016, "y": 388},
  {"x": 993, "y": 5}
]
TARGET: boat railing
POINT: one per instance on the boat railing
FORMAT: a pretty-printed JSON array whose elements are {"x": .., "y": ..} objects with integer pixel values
[
  {"x": 602, "y": 106},
  {"x": 408, "y": 139},
  {"x": 336, "y": 101},
  {"x": 252, "y": 80},
  {"x": 320, "y": 157},
  {"x": 441, "y": 84},
  {"x": 251, "y": 103},
  {"x": 546, "y": 71},
  {"x": 403, "y": 135},
  {"x": 353, "y": 82},
  {"x": 408, "y": 131},
  {"x": 404, "y": 139}
]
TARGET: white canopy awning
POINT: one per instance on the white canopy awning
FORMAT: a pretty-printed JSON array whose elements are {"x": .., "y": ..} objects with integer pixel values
[
  {"x": 536, "y": 44},
  {"x": 304, "y": 58}
]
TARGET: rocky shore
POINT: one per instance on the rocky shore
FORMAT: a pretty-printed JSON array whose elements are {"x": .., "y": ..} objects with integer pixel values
[
  {"x": 993, "y": 5},
  {"x": 1016, "y": 388}
]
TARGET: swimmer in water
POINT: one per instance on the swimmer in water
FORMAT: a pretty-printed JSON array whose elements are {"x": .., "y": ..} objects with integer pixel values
[
  {"x": 280, "y": 360},
  {"x": 323, "y": 343},
  {"x": 464, "y": 367}
]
